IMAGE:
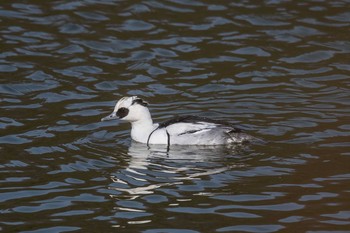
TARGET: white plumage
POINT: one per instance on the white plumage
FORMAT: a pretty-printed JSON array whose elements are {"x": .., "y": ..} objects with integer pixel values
[{"x": 183, "y": 130}]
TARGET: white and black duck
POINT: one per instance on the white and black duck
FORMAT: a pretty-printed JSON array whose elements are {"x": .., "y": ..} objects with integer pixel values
[{"x": 182, "y": 130}]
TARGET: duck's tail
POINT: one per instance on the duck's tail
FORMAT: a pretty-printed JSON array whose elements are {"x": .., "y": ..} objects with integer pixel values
[{"x": 241, "y": 138}]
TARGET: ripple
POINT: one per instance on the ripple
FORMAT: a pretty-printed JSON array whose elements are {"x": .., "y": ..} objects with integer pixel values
[
  {"x": 244, "y": 197},
  {"x": 7, "y": 68},
  {"x": 136, "y": 25},
  {"x": 252, "y": 51},
  {"x": 25, "y": 194},
  {"x": 250, "y": 228},
  {"x": 112, "y": 45},
  {"x": 342, "y": 17},
  {"x": 213, "y": 22},
  {"x": 279, "y": 71},
  {"x": 44, "y": 150},
  {"x": 168, "y": 7},
  {"x": 317, "y": 196},
  {"x": 50, "y": 97},
  {"x": 54, "y": 229},
  {"x": 6, "y": 122},
  {"x": 311, "y": 57},
  {"x": 71, "y": 28},
  {"x": 13, "y": 139},
  {"x": 341, "y": 215},
  {"x": 261, "y": 21},
  {"x": 293, "y": 35},
  {"x": 277, "y": 207},
  {"x": 92, "y": 16}
]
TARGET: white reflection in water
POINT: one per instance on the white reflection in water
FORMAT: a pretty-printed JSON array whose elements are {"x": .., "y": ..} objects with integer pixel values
[{"x": 151, "y": 168}]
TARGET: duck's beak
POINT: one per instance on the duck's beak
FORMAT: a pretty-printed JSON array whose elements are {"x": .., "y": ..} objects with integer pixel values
[{"x": 112, "y": 116}]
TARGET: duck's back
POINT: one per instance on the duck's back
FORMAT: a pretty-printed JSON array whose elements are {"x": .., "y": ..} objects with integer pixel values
[
  {"x": 195, "y": 130},
  {"x": 195, "y": 119}
]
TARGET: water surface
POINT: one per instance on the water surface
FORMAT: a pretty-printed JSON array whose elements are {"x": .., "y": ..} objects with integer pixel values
[{"x": 278, "y": 69}]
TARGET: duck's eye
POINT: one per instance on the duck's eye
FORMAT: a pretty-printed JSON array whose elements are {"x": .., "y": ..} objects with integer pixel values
[{"x": 122, "y": 112}]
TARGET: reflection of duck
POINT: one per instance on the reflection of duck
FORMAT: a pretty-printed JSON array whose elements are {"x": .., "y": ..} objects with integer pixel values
[
  {"x": 154, "y": 167},
  {"x": 184, "y": 130},
  {"x": 196, "y": 153}
]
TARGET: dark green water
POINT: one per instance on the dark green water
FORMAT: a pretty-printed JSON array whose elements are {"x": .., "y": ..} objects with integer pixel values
[{"x": 279, "y": 69}]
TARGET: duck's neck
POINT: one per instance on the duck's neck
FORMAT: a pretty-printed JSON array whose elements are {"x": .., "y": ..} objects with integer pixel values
[{"x": 141, "y": 129}]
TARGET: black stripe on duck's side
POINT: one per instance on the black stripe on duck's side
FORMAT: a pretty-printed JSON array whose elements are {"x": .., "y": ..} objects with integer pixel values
[
  {"x": 196, "y": 119},
  {"x": 149, "y": 136},
  {"x": 167, "y": 134},
  {"x": 168, "y": 137},
  {"x": 192, "y": 131}
]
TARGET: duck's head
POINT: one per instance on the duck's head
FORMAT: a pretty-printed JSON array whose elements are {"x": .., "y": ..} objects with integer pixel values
[{"x": 129, "y": 109}]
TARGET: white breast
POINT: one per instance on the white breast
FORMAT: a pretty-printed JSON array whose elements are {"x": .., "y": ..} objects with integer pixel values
[{"x": 159, "y": 136}]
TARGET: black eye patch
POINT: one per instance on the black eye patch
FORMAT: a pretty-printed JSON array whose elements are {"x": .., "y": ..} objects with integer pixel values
[
  {"x": 140, "y": 101},
  {"x": 122, "y": 112}
]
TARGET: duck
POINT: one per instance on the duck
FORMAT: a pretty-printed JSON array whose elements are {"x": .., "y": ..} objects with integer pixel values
[{"x": 180, "y": 130}]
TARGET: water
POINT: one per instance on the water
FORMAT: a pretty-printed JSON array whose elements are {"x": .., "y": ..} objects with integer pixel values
[{"x": 279, "y": 69}]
